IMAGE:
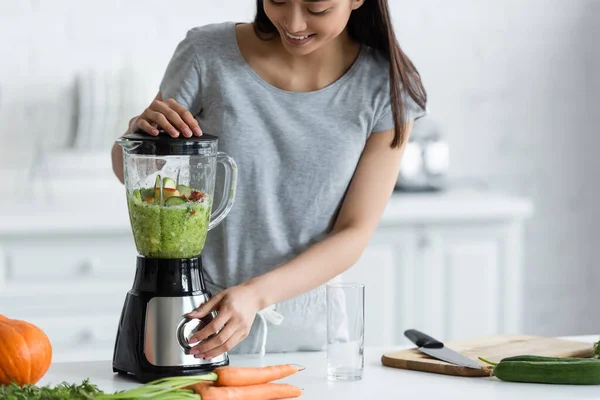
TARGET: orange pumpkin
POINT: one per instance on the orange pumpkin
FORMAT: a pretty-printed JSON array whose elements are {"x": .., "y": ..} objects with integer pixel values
[{"x": 25, "y": 352}]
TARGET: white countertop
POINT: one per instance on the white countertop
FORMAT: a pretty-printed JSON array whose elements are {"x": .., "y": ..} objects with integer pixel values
[
  {"x": 455, "y": 205},
  {"x": 105, "y": 211},
  {"x": 379, "y": 382}
]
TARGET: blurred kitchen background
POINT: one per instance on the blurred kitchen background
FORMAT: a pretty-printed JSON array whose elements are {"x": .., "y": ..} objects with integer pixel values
[{"x": 513, "y": 144}]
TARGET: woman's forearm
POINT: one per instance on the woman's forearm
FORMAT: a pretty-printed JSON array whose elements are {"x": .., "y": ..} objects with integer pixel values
[
  {"x": 117, "y": 155},
  {"x": 317, "y": 265},
  {"x": 373, "y": 183},
  {"x": 117, "y": 162}
]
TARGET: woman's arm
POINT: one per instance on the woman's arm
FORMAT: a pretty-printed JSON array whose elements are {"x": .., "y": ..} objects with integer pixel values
[
  {"x": 373, "y": 183},
  {"x": 117, "y": 155}
]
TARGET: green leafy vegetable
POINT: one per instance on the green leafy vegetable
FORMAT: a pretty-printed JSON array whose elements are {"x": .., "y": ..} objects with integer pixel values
[
  {"x": 84, "y": 391},
  {"x": 164, "y": 389},
  {"x": 171, "y": 388},
  {"x": 597, "y": 349}
]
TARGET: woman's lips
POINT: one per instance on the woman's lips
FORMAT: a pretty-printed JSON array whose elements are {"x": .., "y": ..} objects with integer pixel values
[{"x": 298, "y": 40}]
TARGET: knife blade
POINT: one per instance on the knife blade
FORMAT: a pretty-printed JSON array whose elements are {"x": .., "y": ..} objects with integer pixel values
[{"x": 436, "y": 349}]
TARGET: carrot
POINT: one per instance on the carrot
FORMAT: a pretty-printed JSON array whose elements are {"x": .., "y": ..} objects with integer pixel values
[
  {"x": 197, "y": 387},
  {"x": 244, "y": 376},
  {"x": 263, "y": 391}
]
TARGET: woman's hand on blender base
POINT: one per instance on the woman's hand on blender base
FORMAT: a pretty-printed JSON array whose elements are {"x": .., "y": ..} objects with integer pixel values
[
  {"x": 237, "y": 308},
  {"x": 170, "y": 116}
]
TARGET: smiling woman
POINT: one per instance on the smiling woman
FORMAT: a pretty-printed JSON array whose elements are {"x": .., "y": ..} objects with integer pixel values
[
  {"x": 367, "y": 23},
  {"x": 315, "y": 101},
  {"x": 298, "y": 22}
]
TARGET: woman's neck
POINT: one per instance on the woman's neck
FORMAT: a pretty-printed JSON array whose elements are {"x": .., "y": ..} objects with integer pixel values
[
  {"x": 324, "y": 65},
  {"x": 310, "y": 72},
  {"x": 333, "y": 52}
]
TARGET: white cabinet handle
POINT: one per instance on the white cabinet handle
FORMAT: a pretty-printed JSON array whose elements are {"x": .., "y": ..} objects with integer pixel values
[
  {"x": 5, "y": 267},
  {"x": 424, "y": 241},
  {"x": 85, "y": 336},
  {"x": 88, "y": 266}
]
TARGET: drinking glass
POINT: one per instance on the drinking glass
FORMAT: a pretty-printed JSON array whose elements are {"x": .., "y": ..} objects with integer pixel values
[{"x": 345, "y": 331}]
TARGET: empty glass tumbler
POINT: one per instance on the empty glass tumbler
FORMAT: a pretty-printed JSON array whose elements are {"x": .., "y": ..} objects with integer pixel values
[{"x": 345, "y": 331}]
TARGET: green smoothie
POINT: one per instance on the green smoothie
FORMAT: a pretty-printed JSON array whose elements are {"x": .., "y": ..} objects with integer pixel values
[{"x": 175, "y": 227}]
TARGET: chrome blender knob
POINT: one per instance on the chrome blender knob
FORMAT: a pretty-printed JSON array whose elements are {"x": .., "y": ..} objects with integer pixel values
[{"x": 186, "y": 329}]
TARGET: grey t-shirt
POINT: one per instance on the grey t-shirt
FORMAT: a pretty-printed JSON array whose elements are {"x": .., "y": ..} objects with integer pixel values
[{"x": 296, "y": 154}]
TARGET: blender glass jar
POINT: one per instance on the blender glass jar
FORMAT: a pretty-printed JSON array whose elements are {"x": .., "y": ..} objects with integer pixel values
[{"x": 170, "y": 184}]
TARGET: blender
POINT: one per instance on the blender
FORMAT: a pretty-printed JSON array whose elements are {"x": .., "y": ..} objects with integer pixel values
[{"x": 170, "y": 186}]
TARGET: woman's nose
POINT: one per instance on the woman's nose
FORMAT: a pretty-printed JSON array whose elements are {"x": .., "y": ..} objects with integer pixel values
[{"x": 295, "y": 22}]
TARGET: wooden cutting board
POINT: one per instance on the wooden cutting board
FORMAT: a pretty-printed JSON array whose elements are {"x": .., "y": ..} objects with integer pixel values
[{"x": 492, "y": 348}]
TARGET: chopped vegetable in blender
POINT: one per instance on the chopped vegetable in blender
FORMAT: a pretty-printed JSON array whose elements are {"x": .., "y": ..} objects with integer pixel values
[{"x": 169, "y": 220}]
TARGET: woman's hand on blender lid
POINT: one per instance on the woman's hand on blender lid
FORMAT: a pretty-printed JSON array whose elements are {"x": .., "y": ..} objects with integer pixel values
[{"x": 170, "y": 116}]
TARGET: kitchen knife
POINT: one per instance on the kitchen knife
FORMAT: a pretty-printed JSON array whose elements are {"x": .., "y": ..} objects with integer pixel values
[{"x": 436, "y": 349}]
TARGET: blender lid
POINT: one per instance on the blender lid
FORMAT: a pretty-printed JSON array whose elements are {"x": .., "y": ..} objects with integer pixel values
[{"x": 165, "y": 144}]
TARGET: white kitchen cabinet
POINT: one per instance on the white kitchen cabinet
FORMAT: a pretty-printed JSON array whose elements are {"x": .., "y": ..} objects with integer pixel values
[
  {"x": 377, "y": 270},
  {"x": 3, "y": 259},
  {"x": 72, "y": 285},
  {"x": 446, "y": 263},
  {"x": 449, "y": 276}
]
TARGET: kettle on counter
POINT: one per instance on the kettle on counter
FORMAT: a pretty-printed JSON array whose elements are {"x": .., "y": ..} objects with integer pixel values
[{"x": 426, "y": 159}]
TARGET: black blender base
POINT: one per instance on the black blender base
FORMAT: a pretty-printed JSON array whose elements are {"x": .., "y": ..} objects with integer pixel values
[
  {"x": 149, "y": 376},
  {"x": 154, "y": 278}
]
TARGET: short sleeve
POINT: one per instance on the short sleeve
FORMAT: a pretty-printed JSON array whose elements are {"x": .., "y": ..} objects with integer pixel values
[
  {"x": 412, "y": 112},
  {"x": 182, "y": 78}
]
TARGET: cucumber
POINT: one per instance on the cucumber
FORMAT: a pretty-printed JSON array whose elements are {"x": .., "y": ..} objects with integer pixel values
[
  {"x": 184, "y": 190},
  {"x": 175, "y": 201},
  {"x": 545, "y": 359},
  {"x": 157, "y": 190},
  {"x": 581, "y": 372},
  {"x": 137, "y": 196},
  {"x": 169, "y": 183}
]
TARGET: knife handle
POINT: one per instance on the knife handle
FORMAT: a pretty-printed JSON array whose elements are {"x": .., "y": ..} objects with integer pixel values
[{"x": 422, "y": 340}]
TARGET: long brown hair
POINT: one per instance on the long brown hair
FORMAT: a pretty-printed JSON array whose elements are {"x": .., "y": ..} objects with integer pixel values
[{"x": 371, "y": 25}]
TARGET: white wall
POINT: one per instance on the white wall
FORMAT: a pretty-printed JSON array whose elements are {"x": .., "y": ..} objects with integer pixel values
[
  {"x": 513, "y": 83},
  {"x": 516, "y": 86}
]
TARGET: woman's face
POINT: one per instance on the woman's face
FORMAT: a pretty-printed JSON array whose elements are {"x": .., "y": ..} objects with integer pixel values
[{"x": 306, "y": 25}]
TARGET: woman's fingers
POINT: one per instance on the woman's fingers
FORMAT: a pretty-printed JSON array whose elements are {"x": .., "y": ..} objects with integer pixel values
[
  {"x": 146, "y": 127},
  {"x": 210, "y": 329},
  {"x": 229, "y": 344},
  {"x": 205, "y": 308},
  {"x": 214, "y": 345},
  {"x": 173, "y": 117},
  {"x": 170, "y": 116},
  {"x": 162, "y": 121},
  {"x": 186, "y": 117}
]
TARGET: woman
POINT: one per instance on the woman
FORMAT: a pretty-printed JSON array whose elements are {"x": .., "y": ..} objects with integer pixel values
[{"x": 315, "y": 101}]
